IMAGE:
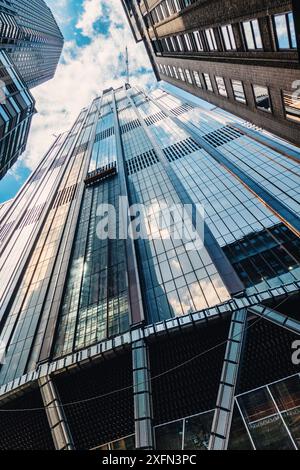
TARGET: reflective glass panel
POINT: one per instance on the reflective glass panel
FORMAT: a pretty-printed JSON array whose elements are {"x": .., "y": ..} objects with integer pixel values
[
  {"x": 221, "y": 86},
  {"x": 252, "y": 34},
  {"x": 128, "y": 443},
  {"x": 291, "y": 101},
  {"x": 239, "y": 438},
  {"x": 285, "y": 31},
  {"x": 238, "y": 91},
  {"x": 287, "y": 393},
  {"x": 197, "y": 431},
  {"x": 262, "y": 98},
  {"x": 270, "y": 434},
  {"x": 169, "y": 436},
  {"x": 257, "y": 405},
  {"x": 292, "y": 420}
]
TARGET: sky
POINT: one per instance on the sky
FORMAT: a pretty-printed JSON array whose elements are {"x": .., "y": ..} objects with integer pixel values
[{"x": 96, "y": 33}]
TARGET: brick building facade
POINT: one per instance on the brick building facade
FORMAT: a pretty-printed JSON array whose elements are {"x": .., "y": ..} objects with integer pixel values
[{"x": 241, "y": 56}]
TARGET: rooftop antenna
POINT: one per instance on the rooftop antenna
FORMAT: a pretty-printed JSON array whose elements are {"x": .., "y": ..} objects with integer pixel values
[{"x": 127, "y": 65}]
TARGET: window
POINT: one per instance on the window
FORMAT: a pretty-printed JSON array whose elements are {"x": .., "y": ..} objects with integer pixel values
[
  {"x": 188, "y": 42},
  {"x": 170, "y": 44},
  {"x": 197, "y": 79},
  {"x": 188, "y": 76},
  {"x": 159, "y": 13},
  {"x": 208, "y": 82},
  {"x": 168, "y": 7},
  {"x": 291, "y": 101},
  {"x": 164, "y": 10},
  {"x": 173, "y": 42},
  {"x": 198, "y": 41},
  {"x": 175, "y": 72},
  {"x": 238, "y": 91},
  {"x": 262, "y": 98},
  {"x": 285, "y": 31},
  {"x": 156, "y": 46},
  {"x": 166, "y": 45},
  {"x": 211, "y": 40},
  {"x": 180, "y": 43},
  {"x": 252, "y": 34},
  {"x": 228, "y": 37},
  {"x": 221, "y": 86},
  {"x": 154, "y": 16},
  {"x": 181, "y": 74},
  {"x": 177, "y": 5}
]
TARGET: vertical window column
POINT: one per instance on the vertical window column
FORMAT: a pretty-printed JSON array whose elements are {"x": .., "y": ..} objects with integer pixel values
[{"x": 135, "y": 296}]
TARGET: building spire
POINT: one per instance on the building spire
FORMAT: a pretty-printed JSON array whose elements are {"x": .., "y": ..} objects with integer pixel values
[{"x": 127, "y": 65}]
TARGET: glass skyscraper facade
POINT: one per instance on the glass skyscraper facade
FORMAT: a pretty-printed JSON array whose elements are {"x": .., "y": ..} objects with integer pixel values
[
  {"x": 30, "y": 48},
  {"x": 32, "y": 38},
  {"x": 181, "y": 348},
  {"x": 16, "y": 110}
]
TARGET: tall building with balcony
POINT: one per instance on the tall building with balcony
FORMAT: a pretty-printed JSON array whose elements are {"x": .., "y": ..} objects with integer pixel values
[
  {"x": 30, "y": 48},
  {"x": 112, "y": 342},
  {"x": 241, "y": 56}
]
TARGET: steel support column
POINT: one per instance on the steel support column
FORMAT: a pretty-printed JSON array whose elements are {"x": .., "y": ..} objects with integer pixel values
[
  {"x": 276, "y": 317},
  {"x": 225, "y": 402},
  {"x": 60, "y": 431},
  {"x": 142, "y": 395}
]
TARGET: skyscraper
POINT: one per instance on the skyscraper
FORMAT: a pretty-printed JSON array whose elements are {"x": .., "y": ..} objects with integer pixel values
[
  {"x": 32, "y": 38},
  {"x": 30, "y": 47},
  {"x": 241, "y": 56},
  {"x": 17, "y": 107},
  {"x": 114, "y": 342}
]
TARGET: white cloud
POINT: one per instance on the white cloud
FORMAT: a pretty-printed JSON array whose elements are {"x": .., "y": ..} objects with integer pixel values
[
  {"x": 93, "y": 10},
  {"x": 83, "y": 74}
]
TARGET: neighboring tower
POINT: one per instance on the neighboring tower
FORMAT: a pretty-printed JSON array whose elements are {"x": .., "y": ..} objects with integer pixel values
[
  {"x": 131, "y": 334},
  {"x": 31, "y": 37},
  {"x": 30, "y": 48},
  {"x": 17, "y": 107},
  {"x": 241, "y": 56}
]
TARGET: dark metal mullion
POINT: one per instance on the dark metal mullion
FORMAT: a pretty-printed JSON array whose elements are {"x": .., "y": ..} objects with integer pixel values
[
  {"x": 253, "y": 35},
  {"x": 288, "y": 30}
]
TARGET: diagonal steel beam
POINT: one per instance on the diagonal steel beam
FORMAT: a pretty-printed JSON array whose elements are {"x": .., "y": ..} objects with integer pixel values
[
  {"x": 57, "y": 420},
  {"x": 276, "y": 317},
  {"x": 225, "y": 402}
]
